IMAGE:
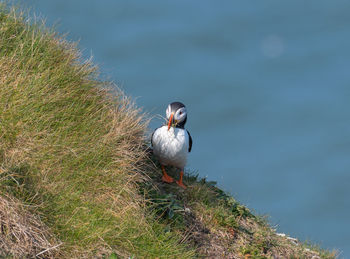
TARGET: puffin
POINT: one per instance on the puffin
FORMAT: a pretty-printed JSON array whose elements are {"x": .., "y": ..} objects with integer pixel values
[{"x": 172, "y": 142}]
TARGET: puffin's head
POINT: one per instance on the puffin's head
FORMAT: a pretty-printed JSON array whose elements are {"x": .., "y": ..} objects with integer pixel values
[{"x": 176, "y": 115}]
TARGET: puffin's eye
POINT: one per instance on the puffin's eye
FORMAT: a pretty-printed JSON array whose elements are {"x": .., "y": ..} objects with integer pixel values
[{"x": 180, "y": 112}]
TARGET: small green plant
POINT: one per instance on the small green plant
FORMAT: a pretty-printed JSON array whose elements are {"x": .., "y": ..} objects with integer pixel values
[{"x": 166, "y": 205}]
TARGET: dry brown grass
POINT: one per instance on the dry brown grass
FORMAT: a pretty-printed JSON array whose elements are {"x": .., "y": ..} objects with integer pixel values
[{"x": 23, "y": 234}]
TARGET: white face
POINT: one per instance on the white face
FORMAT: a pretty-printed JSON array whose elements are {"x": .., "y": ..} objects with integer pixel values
[{"x": 179, "y": 115}]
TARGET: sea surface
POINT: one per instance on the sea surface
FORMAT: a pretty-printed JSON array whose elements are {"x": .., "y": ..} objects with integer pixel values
[{"x": 266, "y": 85}]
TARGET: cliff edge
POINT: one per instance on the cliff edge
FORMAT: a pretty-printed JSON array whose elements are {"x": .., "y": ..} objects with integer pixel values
[{"x": 77, "y": 179}]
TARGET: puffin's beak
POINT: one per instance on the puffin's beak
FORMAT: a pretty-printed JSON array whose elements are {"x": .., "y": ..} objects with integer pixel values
[{"x": 170, "y": 120}]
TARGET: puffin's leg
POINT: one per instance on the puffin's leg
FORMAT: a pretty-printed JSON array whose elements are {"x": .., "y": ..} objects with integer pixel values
[
  {"x": 180, "y": 183},
  {"x": 166, "y": 178}
]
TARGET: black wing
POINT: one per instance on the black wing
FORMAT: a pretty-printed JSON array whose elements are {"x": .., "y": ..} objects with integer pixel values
[{"x": 190, "y": 144}]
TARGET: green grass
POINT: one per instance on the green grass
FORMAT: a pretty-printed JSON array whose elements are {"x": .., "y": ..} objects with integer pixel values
[
  {"x": 70, "y": 149},
  {"x": 73, "y": 154}
]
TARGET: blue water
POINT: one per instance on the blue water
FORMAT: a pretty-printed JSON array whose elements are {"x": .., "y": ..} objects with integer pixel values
[{"x": 266, "y": 84}]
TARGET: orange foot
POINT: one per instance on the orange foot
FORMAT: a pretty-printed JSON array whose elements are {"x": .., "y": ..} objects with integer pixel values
[
  {"x": 168, "y": 179},
  {"x": 180, "y": 183}
]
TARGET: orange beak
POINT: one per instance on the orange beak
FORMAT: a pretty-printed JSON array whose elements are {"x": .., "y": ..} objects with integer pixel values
[{"x": 170, "y": 120}]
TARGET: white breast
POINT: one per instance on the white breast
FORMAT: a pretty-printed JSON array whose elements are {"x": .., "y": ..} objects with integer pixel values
[{"x": 171, "y": 146}]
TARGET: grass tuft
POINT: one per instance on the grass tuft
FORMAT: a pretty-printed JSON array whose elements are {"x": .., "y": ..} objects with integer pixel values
[{"x": 23, "y": 234}]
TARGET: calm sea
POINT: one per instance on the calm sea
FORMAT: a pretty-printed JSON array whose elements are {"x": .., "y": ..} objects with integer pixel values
[{"x": 267, "y": 86}]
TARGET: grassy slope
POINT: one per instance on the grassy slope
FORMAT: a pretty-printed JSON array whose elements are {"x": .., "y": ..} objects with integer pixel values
[{"x": 73, "y": 157}]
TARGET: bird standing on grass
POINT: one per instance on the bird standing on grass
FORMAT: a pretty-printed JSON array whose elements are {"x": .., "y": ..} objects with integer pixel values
[{"x": 172, "y": 142}]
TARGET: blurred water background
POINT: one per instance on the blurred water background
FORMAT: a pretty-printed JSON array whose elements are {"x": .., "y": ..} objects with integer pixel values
[{"x": 266, "y": 84}]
